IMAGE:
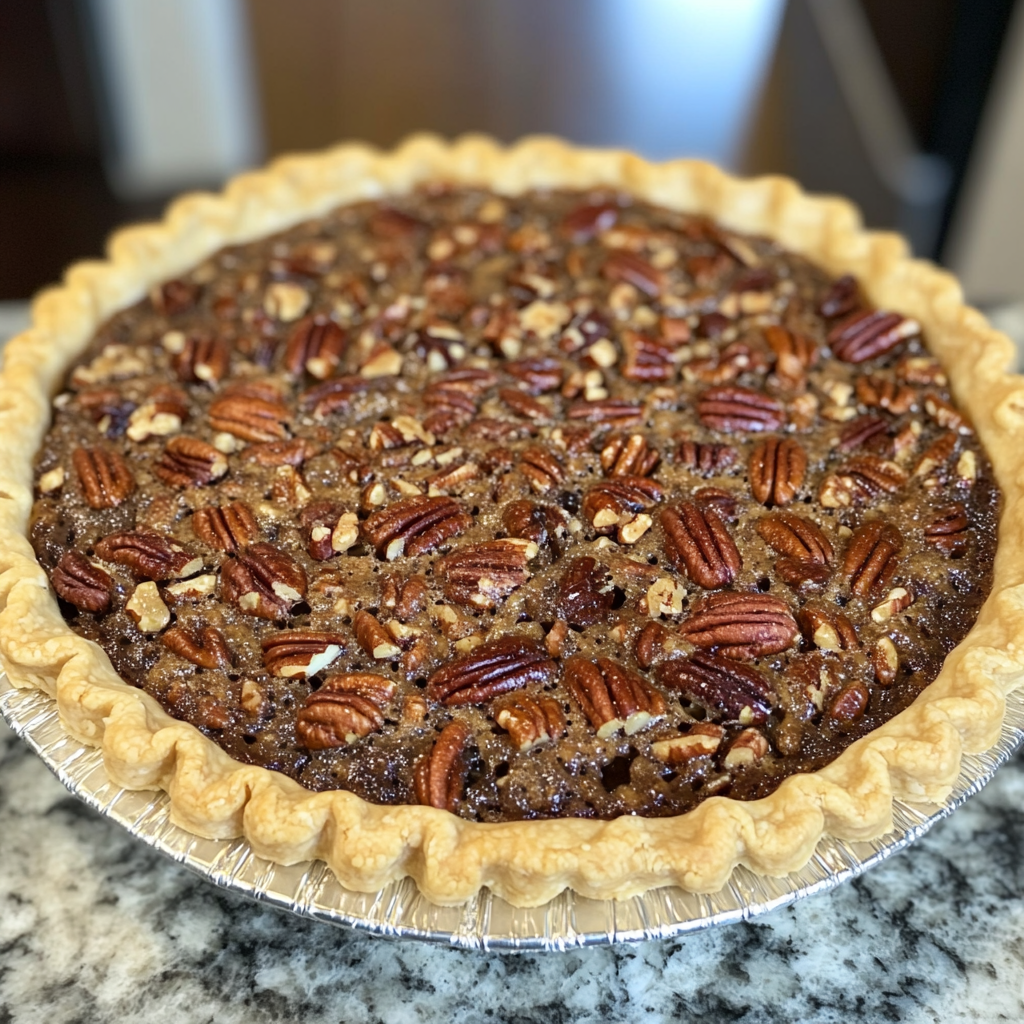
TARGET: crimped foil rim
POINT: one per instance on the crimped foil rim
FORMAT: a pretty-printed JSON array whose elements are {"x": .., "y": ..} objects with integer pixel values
[{"x": 486, "y": 922}]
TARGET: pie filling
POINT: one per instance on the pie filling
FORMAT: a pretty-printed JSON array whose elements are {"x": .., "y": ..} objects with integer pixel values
[{"x": 548, "y": 506}]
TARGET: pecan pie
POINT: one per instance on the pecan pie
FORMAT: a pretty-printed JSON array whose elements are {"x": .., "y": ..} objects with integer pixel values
[{"x": 508, "y": 507}]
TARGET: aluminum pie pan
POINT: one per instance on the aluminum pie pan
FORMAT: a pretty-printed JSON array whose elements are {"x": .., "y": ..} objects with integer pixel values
[{"x": 399, "y": 911}]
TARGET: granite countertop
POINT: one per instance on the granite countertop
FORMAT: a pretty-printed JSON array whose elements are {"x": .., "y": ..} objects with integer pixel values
[{"x": 97, "y": 927}]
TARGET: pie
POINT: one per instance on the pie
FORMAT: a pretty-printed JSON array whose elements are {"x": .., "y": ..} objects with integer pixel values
[{"x": 527, "y": 518}]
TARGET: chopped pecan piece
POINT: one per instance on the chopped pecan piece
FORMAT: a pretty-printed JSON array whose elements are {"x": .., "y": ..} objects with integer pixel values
[
  {"x": 629, "y": 268},
  {"x": 202, "y": 358},
  {"x": 612, "y": 697},
  {"x": 789, "y": 534},
  {"x": 415, "y": 526},
  {"x": 936, "y": 455},
  {"x": 697, "y": 541},
  {"x": 541, "y": 468},
  {"x": 870, "y": 559},
  {"x": 616, "y": 412},
  {"x": 483, "y": 575},
  {"x": 585, "y": 222},
  {"x": 531, "y": 721},
  {"x": 347, "y": 707},
  {"x": 706, "y": 459},
  {"x": 629, "y": 456},
  {"x": 732, "y": 409},
  {"x": 870, "y": 333},
  {"x": 490, "y": 669},
  {"x": 878, "y": 392},
  {"x": 647, "y": 359},
  {"x": 885, "y": 660},
  {"x": 828, "y": 628},
  {"x": 945, "y": 415},
  {"x": 160, "y": 416},
  {"x": 264, "y": 581},
  {"x": 82, "y": 584},
  {"x": 948, "y": 531},
  {"x": 333, "y": 395},
  {"x": 148, "y": 555},
  {"x": 585, "y": 592},
  {"x": 748, "y": 748},
  {"x": 439, "y": 778},
  {"x": 373, "y": 637},
  {"x": 300, "y": 652},
  {"x": 860, "y": 480},
  {"x": 249, "y": 417},
  {"x": 315, "y": 346},
  {"x": 104, "y": 475},
  {"x": 725, "y": 687},
  {"x": 802, "y": 573},
  {"x": 651, "y": 644},
  {"x": 205, "y": 647},
  {"x": 189, "y": 462},
  {"x": 146, "y": 608},
  {"x": 175, "y": 296},
  {"x": 702, "y": 740},
  {"x": 794, "y": 353},
  {"x": 526, "y": 519},
  {"x": 108, "y": 409},
  {"x": 741, "y": 625},
  {"x": 613, "y": 502},
  {"x": 777, "y": 468},
  {"x": 405, "y": 598},
  {"x": 228, "y": 527}
]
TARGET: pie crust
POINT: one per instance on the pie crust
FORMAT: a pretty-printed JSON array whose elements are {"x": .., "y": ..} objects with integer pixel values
[{"x": 915, "y": 756}]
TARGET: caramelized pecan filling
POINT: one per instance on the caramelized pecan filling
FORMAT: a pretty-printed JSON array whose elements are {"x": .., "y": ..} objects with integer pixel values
[{"x": 560, "y": 505}]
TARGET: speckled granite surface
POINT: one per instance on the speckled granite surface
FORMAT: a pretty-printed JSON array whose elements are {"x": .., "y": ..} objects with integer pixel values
[{"x": 95, "y": 927}]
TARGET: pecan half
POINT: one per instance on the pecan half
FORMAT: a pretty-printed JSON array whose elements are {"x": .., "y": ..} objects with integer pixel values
[
  {"x": 850, "y": 703},
  {"x": 206, "y": 648},
  {"x": 492, "y": 668},
  {"x": 524, "y": 405},
  {"x": 82, "y": 584},
  {"x": 794, "y": 353},
  {"x": 189, "y": 462},
  {"x": 841, "y": 298},
  {"x": 697, "y": 541},
  {"x": 454, "y": 398},
  {"x": 227, "y": 527},
  {"x": 726, "y": 688},
  {"x": 702, "y": 740},
  {"x": 483, "y": 575},
  {"x": 585, "y": 592},
  {"x": 439, "y": 778},
  {"x": 865, "y": 432},
  {"x": 347, "y": 707},
  {"x": 868, "y": 334},
  {"x": 300, "y": 652},
  {"x": 870, "y": 559},
  {"x": 249, "y": 417},
  {"x": 948, "y": 531},
  {"x": 647, "y": 359},
  {"x": 777, "y": 468},
  {"x": 104, "y": 475},
  {"x": 315, "y": 346},
  {"x": 175, "y": 296},
  {"x": 612, "y": 697},
  {"x": 741, "y": 625},
  {"x": 293, "y": 452},
  {"x": 148, "y": 555},
  {"x": 531, "y": 721},
  {"x": 585, "y": 222},
  {"x": 202, "y": 358},
  {"x": 536, "y": 375},
  {"x": 860, "y": 480},
  {"x": 614, "y": 502},
  {"x": 789, "y": 534},
  {"x": 828, "y": 628},
  {"x": 415, "y": 526},
  {"x": 541, "y": 468},
  {"x": 617, "y": 412},
  {"x": 936, "y": 455},
  {"x": 705, "y": 459},
  {"x": 264, "y": 581},
  {"x": 625, "y": 266},
  {"x": 651, "y": 643},
  {"x": 748, "y": 748},
  {"x": 731, "y": 409},
  {"x": 629, "y": 456}
]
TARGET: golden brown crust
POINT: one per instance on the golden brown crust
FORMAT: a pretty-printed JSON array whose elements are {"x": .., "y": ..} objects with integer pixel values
[{"x": 915, "y": 756}]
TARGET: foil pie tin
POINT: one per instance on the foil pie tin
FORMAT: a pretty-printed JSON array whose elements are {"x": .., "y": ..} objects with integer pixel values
[{"x": 399, "y": 911}]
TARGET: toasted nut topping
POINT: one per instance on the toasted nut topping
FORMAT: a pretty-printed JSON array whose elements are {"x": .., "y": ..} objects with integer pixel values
[
  {"x": 52, "y": 480},
  {"x": 701, "y": 741},
  {"x": 896, "y": 601},
  {"x": 665, "y": 597},
  {"x": 285, "y": 301}
]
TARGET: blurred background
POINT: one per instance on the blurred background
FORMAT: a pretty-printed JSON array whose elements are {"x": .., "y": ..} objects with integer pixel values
[{"x": 915, "y": 110}]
